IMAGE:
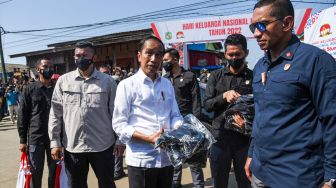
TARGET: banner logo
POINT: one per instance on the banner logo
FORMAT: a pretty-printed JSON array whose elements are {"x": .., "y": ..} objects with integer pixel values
[
  {"x": 179, "y": 35},
  {"x": 325, "y": 30},
  {"x": 168, "y": 35}
]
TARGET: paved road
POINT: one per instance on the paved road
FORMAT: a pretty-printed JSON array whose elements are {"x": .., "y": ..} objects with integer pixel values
[{"x": 9, "y": 163}]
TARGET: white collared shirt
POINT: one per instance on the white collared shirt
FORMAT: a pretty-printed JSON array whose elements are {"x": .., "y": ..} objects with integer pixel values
[{"x": 144, "y": 106}]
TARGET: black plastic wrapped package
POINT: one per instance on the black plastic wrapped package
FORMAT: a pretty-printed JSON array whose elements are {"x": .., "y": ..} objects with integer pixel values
[
  {"x": 187, "y": 144},
  {"x": 244, "y": 106}
]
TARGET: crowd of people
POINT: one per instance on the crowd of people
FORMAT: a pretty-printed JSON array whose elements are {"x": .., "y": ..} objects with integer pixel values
[
  {"x": 11, "y": 91},
  {"x": 10, "y": 95},
  {"x": 90, "y": 116}
]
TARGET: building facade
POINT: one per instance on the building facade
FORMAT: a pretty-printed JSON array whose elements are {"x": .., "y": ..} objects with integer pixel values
[{"x": 117, "y": 50}]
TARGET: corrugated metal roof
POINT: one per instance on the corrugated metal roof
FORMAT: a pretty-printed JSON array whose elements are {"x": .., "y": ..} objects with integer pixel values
[
  {"x": 10, "y": 67},
  {"x": 97, "y": 41}
]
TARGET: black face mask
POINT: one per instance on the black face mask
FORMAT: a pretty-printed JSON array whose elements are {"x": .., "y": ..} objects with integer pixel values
[
  {"x": 236, "y": 63},
  {"x": 108, "y": 73},
  {"x": 167, "y": 66},
  {"x": 83, "y": 64},
  {"x": 47, "y": 73}
]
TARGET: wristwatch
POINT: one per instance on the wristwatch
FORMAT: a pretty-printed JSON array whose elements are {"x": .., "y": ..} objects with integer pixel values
[{"x": 331, "y": 183}]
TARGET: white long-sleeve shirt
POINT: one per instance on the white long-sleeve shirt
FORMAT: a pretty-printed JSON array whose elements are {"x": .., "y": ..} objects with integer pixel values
[{"x": 144, "y": 106}]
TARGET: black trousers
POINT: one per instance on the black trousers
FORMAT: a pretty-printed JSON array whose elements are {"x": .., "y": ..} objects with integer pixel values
[
  {"x": 118, "y": 165},
  {"x": 139, "y": 177},
  {"x": 222, "y": 154},
  {"x": 36, "y": 158},
  {"x": 77, "y": 168}
]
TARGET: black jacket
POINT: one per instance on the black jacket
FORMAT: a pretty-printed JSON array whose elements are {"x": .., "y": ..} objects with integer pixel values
[
  {"x": 219, "y": 82},
  {"x": 187, "y": 93},
  {"x": 34, "y": 114}
]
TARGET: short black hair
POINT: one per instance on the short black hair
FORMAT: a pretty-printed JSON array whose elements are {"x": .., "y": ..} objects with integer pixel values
[
  {"x": 38, "y": 62},
  {"x": 173, "y": 52},
  {"x": 105, "y": 66},
  {"x": 236, "y": 39},
  {"x": 280, "y": 8},
  {"x": 151, "y": 37},
  {"x": 86, "y": 44}
]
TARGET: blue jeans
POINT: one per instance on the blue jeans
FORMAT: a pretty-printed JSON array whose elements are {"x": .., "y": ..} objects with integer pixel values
[
  {"x": 196, "y": 174},
  {"x": 36, "y": 159}
]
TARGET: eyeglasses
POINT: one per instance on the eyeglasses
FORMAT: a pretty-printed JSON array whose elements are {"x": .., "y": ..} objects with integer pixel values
[{"x": 261, "y": 26}]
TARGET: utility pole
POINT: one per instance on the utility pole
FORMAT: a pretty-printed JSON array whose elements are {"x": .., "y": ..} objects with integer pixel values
[{"x": 2, "y": 61}]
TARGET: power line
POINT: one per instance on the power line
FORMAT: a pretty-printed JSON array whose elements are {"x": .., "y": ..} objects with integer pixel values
[
  {"x": 140, "y": 20},
  {"x": 150, "y": 15},
  {"x": 5, "y": 2},
  {"x": 88, "y": 25},
  {"x": 205, "y": 8},
  {"x": 85, "y": 29},
  {"x": 33, "y": 42},
  {"x": 189, "y": 10},
  {"x": 169, "y": 13},
  {"x": 47, "y": 35},
  {"x": 36, "y": 37},
  {"x": 313, "y": 2},
  {"x": 160, "y": 12}
]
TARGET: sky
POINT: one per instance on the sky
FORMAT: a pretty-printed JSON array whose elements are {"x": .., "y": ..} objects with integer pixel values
[{"x": 16, "y": 15}]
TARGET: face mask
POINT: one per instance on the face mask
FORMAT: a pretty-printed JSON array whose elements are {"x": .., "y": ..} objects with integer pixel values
[
  {"x": 108, "y": 73},
  {"x": 167, "y": 66},
  {"x": 83, "y": 64},
  {"x": 236, "y": 63},
  {"x": 47, "y": 73}
]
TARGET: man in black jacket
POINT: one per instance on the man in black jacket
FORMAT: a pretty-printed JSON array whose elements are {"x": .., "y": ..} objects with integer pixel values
[
  {"x": 188, "y": 98},
  {"x": 224, "y": 87},
  {"x": 33, "y": 123}
]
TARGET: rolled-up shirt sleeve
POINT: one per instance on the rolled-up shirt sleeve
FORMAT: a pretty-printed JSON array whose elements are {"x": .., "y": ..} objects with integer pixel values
[
  {"x": 121, "y": 112},
  {"x": 56, "y": 116}
]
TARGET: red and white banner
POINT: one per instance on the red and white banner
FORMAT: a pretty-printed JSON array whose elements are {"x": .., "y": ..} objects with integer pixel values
[
  {"x": 320, "y": 30},
  {"x": 214, "y": 28}
]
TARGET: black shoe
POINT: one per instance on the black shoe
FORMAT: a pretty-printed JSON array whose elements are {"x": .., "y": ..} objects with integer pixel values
[
  {"x": 119, "y": 176},
  {"x": 175, "y": 185}
]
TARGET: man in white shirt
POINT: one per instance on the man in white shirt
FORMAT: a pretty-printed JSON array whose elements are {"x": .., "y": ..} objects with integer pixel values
[{"x": 145, "y": 107}]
